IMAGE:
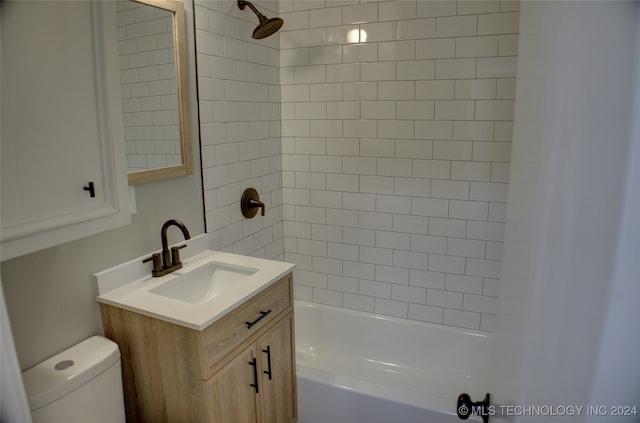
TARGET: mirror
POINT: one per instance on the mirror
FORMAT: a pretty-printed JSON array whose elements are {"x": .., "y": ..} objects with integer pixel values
[{"x": 154, "y": 87}]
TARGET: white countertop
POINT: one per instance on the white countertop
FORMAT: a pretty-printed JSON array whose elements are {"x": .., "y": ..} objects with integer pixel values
[{"x": 124, "y": 286}]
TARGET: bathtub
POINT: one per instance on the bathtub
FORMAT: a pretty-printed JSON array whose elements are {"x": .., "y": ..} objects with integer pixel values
[{"x": 355, "y": 367}]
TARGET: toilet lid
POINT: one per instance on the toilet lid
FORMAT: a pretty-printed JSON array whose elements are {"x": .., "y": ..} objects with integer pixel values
[{"x": 54, "y": 378}]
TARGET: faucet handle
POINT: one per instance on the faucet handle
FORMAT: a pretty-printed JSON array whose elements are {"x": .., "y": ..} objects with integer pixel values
[
  {"x": 175, "y": 254},
  {"x": 250, "y": 203},
  {"x": 157, "y": 261},
  {"x": 257, "y": 204}
]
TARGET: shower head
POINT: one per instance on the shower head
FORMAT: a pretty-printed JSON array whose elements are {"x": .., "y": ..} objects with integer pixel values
[{"x": 266, "y": 26}]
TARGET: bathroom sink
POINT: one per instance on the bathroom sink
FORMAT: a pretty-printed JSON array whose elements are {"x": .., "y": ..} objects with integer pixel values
[
  {"x": 209, "y": 284},
  {"x": 203, "y": 283}
]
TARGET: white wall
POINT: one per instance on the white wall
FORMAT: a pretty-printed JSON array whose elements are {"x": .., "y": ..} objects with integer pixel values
[
  {"x": 565, "y": 234},
  {"x": 396, "y": 153},
  {"x": 239, "y": 94},
  {"x": 393, "y": 158}
]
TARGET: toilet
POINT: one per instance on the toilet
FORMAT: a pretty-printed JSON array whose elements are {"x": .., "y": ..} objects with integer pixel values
[{"x": 80, "y": 385}]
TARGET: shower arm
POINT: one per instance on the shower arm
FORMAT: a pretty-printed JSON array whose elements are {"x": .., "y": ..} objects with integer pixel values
[{"x": 243, "y": 3}]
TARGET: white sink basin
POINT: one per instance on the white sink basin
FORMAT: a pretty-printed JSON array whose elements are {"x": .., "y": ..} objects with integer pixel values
[
  {"x": 210, "y": 284},
  {"x": 203, "y": 283}
]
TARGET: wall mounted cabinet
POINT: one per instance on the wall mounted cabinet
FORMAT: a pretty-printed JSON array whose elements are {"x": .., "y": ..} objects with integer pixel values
[
  {"x": 231, "y": 371},
  {"x": 63, "y": 164}
]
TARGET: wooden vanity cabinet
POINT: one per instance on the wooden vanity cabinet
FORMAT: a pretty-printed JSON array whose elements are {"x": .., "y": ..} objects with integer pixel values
[
  {"x": 237, "y": 394},
  {"x": 226, "y": 373}
]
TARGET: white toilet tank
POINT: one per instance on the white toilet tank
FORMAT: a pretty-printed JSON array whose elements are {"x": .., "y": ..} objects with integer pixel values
[{"x": 80, "y": 385}]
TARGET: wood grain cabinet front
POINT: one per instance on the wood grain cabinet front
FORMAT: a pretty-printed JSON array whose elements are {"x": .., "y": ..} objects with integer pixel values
[
  {"x": 230, "y": 372},
  {"x": 235, "y": 330},
  {"x": 259, "y": 384}
]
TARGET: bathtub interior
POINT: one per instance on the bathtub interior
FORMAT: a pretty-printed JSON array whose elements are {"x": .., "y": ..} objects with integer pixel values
[{"x": 411, "y": 361}]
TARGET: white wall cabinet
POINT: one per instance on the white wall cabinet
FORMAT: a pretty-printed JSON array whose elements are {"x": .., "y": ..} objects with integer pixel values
[{"x": 61, "y": 124}]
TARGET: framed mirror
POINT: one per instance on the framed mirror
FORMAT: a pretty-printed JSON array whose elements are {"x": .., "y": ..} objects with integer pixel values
[{"x": 154, "y": 88}]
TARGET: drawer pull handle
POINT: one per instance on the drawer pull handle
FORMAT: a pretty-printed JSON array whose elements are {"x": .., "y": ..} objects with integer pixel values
[
  {"x": 262, "y": 316},
  {"x": 268, "y": 352},
  {"x": 255, "y": 374}
]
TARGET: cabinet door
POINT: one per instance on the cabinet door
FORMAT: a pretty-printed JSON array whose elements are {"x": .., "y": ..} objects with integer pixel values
[
  {"x": 278, "y": 378},
  {"x": 61, "y": 124},
  {"x": 229, "y": 394}
]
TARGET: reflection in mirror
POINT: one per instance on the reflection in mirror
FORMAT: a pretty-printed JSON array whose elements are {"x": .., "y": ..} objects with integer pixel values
[{"x": 151, "y": 43}]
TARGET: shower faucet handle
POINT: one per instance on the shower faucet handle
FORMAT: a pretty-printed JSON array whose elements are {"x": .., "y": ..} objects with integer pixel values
[
  {"x": 250, "y": 203},
  {"x": 257, "y": 204}
]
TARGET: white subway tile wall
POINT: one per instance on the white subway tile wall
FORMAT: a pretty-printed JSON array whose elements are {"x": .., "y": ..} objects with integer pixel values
[
  {"x": 379, "y": 135},
  {"x": 239, "y": 104},
  {"x": 396, "y": 141}
]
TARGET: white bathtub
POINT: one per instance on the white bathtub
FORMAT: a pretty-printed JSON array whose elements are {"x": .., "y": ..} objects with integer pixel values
[{"x": 358, "y": 367}]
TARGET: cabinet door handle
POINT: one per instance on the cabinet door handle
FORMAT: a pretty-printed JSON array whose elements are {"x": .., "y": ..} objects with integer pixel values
[
  {"x": 91, "y": 188},
  {"x": 254, "y": 364},
  {"x": 262, "y": 316},
  {"x": 268, "y": 352}
]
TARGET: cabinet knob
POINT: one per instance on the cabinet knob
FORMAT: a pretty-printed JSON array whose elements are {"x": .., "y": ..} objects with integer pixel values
[{"x": 91, "y": 189}]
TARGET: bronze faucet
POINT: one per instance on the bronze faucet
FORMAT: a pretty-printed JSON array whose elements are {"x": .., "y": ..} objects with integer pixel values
[{"x": 169, "y": 261}]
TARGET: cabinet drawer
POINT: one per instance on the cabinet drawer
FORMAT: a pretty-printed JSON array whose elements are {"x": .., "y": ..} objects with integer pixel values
[{"x": 232, "y": 332}]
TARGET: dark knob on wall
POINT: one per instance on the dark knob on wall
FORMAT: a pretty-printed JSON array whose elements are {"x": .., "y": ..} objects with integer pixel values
[{"x": 250, "y": 203}]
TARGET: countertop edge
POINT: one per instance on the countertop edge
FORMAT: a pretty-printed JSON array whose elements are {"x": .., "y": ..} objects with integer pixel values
[{"x": 287, "y": 268}]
